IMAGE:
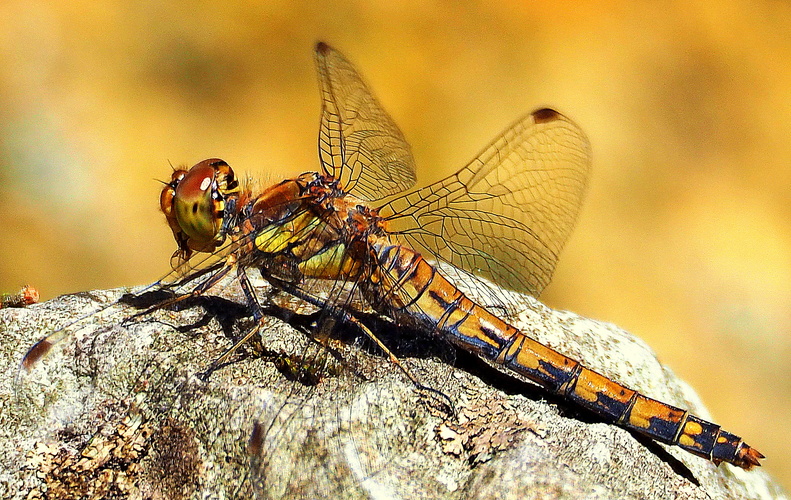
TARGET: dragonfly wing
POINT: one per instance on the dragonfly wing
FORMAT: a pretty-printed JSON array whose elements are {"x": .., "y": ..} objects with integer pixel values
[
  {"x": 508, "y": 213},
  {"x": 359, "y": 143}
]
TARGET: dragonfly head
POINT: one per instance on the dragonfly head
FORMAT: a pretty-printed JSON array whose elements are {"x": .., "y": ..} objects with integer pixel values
[{"x": 194, "y": 203}]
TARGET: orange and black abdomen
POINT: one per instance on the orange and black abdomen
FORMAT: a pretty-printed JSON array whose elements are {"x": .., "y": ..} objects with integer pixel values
[{"x": 410, "y": 290}]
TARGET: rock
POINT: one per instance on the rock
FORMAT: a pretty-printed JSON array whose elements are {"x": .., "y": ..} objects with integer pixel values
[{"x": 121, "y": 410}]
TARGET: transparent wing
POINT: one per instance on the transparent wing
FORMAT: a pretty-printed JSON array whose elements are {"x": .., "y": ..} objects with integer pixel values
[
  {"x": 359, "y": 143},
  {"x": 507, "y": 214}
]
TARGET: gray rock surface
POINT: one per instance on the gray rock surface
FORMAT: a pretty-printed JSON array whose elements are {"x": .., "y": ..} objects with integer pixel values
[{"x": 119, "y": 410}]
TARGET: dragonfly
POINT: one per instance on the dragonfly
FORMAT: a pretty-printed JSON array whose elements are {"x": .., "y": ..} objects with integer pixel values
[{"x": 357, "y": 235}]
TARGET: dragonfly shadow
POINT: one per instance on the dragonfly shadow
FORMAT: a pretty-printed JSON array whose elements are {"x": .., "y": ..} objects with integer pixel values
[
  {"x": 227, "y": 312},
  {"x": 231, "y": 317},
  {"x": 674, "y": 463},
  {"x": 403, "y": 342},
  {"x": 513, "y": 385}
]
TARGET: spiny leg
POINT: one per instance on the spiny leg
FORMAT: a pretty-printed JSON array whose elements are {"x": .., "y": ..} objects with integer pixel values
[
  {"x": 258, "y": 316},
  {"x": 230, "y": 264},
  {"x": 346, "y": 316},
  {"x": 393, "y": 359}
]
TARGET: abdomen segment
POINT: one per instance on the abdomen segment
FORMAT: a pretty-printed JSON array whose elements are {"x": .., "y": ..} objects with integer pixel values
[{"x": 411, "y": 290}]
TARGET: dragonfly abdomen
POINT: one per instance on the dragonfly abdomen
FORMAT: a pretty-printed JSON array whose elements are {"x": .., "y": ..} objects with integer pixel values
[{"x": 412, "y": 291}]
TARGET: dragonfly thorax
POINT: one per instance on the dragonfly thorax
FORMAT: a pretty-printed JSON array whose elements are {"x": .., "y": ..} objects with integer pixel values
[{"x": 311, "y": 226}]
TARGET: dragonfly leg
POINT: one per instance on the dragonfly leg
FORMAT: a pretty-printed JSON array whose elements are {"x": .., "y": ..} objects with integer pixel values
[
  {"x": 394, "y": 359},
  {"x": 227, "y": 354},
  {"x": 345, "y": 316},
  {"x": 228, "y": 265},
  {"x": 258, "y": 316}
]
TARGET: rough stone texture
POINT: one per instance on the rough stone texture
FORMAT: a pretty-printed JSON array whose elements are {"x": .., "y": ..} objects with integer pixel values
[{"x": 119, "y": 410}]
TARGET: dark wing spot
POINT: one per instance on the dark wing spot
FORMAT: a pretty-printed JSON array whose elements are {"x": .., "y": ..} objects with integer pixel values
[
  {"x": 545, "y": 115},
  {"x": 35, "y": 353},
  {"x": 195, "y": 208},
  {"x": 256, "y": 443},
  {"x": 322, "y": 48}
]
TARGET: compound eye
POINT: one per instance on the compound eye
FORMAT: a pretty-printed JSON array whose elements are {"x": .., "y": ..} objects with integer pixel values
[
  {"x": 169, "y": 193},
  {"x": 194, "y": 203}
]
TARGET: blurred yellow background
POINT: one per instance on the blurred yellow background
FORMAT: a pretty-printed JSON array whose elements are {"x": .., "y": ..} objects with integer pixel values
[{"x": 685, "y": 238}]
